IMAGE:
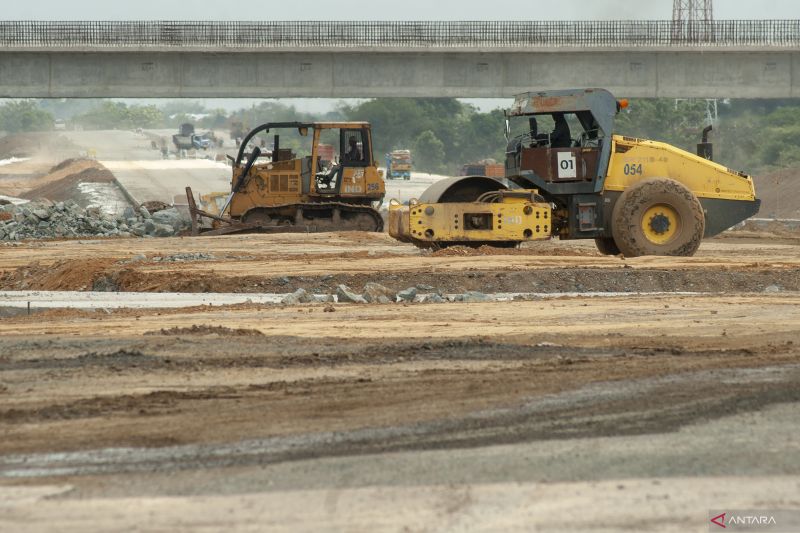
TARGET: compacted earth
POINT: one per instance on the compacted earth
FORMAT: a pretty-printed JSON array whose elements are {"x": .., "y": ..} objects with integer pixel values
[{"x": 567, "y": 391}]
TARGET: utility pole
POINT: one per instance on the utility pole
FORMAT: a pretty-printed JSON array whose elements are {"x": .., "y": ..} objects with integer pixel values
[
  {"x": 692, "y": 10},
  {"x": 692, "y": 20}
]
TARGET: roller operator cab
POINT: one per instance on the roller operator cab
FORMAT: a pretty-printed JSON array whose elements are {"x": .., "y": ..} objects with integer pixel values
[
  {"x": 283, "y": 180},
  {"x": 568, "y": 175}
]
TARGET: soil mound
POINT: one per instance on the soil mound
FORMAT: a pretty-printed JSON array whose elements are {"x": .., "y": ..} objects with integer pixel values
[
  {"x": 539, "y": 248},
  {"x": 154, "y": 206},
  {"x": 63, "y": 189},
  {"x": 37, "y": 185},
  {"x": 65, "y": 163},
  {"x": 59, "y": 276},
  {"x": 779, "y": 192}
]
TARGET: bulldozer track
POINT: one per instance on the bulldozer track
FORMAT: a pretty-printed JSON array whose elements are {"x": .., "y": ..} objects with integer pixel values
[{"x": 348, "y": 220}]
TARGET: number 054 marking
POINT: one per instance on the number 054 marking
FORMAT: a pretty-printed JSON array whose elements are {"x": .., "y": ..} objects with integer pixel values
[{"x": 633, "y": 169}]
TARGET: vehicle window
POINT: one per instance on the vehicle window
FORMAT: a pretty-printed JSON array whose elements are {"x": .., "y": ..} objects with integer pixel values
[
  {"x": 353, "y": 147},
  {"x": 544, "y": 127}
]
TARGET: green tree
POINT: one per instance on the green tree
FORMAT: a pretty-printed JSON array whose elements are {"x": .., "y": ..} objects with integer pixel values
[
  {"x": 758, "y": 137},
  {"x": 108, "y": 115},
  {"x": 217, "y": 119},
  {"x": 481, "y": 137},
  {"x": 118, "y": 115},
  {"x": 182, "y": 107},
  {"x": 24, "y": 115},
  {"x": 463, "y": 133},
  {"x": 429, "y": 153},
  {"x": 677, "y": 122},
  {"x": 148, "y": 116},
  {"x": 67, "y": 108},
  {"x": 269, "y": 111}
]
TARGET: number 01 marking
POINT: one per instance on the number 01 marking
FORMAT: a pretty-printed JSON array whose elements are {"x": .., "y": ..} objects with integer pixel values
[{"x": 566, "y": 165}]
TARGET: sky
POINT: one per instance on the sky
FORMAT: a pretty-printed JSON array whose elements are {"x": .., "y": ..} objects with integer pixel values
[{"x": 383, "y": 10}]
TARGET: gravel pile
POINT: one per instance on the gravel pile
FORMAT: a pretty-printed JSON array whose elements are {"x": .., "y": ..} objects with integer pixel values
[
  {"x": 46, "y": 220},
  {"x": 376, "y": 293},
  {"x": 182, "y": 258}
]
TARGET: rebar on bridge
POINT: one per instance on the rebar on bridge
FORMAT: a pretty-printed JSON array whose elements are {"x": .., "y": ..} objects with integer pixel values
[{"x": 517, "y": 35}]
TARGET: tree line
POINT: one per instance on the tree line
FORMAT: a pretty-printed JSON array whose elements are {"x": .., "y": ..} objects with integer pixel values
[{"x": 445, "y": 133}]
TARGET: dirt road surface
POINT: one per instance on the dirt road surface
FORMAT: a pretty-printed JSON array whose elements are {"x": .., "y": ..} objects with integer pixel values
[
  {"x": 144, "y": 174},
  {"x": 545, "y": 413}
]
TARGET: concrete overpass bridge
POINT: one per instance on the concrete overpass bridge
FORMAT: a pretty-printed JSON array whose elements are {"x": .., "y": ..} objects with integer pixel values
[{"x": 741, "y": 59}]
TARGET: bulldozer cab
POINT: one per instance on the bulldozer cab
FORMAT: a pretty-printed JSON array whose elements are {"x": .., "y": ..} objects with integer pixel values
[
  {"x": 353, "y": 159},
  {"x": 561, "y": 137},
  {"x": 303, "y": 159},
  {"x": 286, "y": 163}
]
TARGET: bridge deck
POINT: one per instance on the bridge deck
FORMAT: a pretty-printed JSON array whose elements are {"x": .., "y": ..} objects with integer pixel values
[{"x": 735, "y": 59}]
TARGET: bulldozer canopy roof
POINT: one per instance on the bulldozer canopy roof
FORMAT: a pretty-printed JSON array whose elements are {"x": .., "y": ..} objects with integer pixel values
[
  {"x": 315, "y": 125},
  {"x": 267, "y": 126}
]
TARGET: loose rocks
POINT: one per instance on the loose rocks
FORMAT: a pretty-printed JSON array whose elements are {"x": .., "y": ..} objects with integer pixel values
[
  {"x": 474, "y": 297},
  {"x": 377, "y": 293},
  {"x": 44, "y": 220},
  {"x": 344, "y": 294},
  {"x": 180, "y": 258},
  {"x": 105, "y": 284},
  {"x": 408, "y": 295},
  {"x": 300, "y": 296}
]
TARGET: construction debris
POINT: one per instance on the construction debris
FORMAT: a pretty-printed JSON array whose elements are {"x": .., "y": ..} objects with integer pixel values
[
  {"x": 47, "y": 220},
  {"x": 408, "y": 294},
  {"x": 299, "y": 296},
  {"x": 344, "y": 294},
  {"x": 377, "y": 293}
]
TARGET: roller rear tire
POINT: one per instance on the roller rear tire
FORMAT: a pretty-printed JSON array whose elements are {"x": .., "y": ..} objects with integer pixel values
[{"x": 658, "y": 216}]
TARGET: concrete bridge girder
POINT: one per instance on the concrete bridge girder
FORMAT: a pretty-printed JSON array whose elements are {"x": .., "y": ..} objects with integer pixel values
[{"x": 264, "y": 74}]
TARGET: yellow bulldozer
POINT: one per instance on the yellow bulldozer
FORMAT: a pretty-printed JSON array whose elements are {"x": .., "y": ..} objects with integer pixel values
[
  {"x": 575, "y": 179},
  {"x": 289, "y": 187}
]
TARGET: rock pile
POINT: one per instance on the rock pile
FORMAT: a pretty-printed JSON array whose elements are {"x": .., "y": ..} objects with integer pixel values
[
  {"x": 375, "y": 293},
  {"x": 46, "y": 220}
]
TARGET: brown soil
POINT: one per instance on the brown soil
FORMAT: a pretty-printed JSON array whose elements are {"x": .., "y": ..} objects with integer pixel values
[
  {"x": 179, "y": 400},
  {"x": 77, "y": 381},
  {"x": 779, "y": 192},
  {"x": 319, "y": 263},
  {"x": 154, "y": 206},
  {"x": 59, "y": 276},
  {"x": 543, "y": 248},
  {"x": 59, "y": 183},
  {"x": 763, "y": 229},
  {"x": 208, "y": 330},
  {"x": 65, "y": 188}
]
